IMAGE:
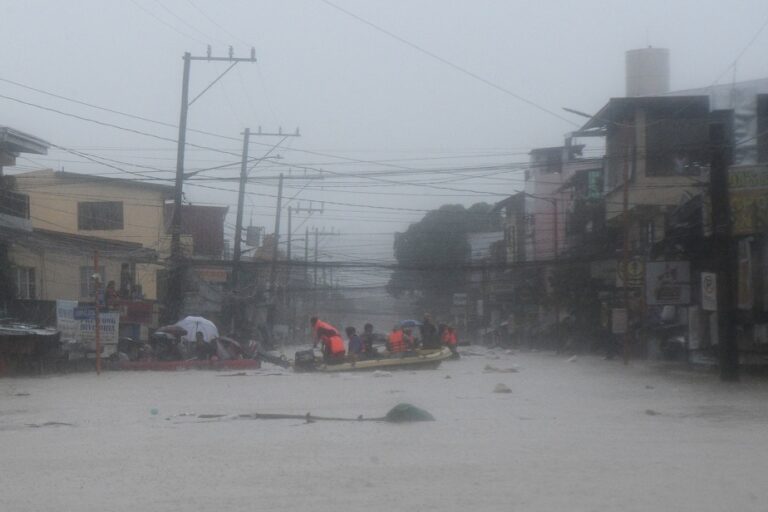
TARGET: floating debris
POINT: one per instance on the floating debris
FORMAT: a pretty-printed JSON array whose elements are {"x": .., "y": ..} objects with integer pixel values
[
  {"x": 238, "y": 374},
  {"x": 502, "y": 388},
  {"x": 50, "y": 424},
  {"x": 492, "y": 369},
  {"x": 402, "y": 413},
  {"x": 572, "y": 359},
  {"x": 382, "y": 373},
  {"x": 651, "y": 412}
]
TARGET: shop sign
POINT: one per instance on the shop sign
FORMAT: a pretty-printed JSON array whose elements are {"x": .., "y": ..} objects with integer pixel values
[{"x": 667, "y": 282}]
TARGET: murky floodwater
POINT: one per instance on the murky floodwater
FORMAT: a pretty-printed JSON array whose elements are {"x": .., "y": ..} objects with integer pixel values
[{"x": 580, "y": 435}]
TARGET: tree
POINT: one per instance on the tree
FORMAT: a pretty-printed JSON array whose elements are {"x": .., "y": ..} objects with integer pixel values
[{"x": 434, "y": 252}]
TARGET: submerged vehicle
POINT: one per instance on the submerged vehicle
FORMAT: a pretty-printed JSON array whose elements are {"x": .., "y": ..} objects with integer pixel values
[{"x": 307, "y": 361}]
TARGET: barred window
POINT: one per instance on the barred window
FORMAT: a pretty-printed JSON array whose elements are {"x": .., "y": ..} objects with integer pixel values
[
  {"x": 95, "y": 215},
  {"x": 25, "y": 282}
]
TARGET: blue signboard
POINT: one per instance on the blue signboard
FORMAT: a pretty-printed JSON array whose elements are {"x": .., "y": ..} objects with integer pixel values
[{"x": 85, "y": 313}]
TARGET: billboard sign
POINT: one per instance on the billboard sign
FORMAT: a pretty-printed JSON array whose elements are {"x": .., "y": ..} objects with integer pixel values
[
  {"x": 748, "y": 191},
  {"x": 667, "y": 282}
]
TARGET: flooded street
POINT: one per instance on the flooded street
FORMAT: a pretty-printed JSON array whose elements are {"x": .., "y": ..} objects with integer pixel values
[{"x": 571, "y": 435}]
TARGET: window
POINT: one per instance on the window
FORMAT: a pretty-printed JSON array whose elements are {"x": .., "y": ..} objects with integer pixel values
[
  {"x": 25, "y": 282},
  {"x": 86, "y": 281},
  {"x": 100, "y": 215}
]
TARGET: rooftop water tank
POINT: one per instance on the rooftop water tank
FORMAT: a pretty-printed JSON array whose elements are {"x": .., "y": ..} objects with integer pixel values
[{"x": 647, "y": 71}]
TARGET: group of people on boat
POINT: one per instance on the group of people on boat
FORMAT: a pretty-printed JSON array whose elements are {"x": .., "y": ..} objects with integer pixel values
[{"x": 401, "y": 339}]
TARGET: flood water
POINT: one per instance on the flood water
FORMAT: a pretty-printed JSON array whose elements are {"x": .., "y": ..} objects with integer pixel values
[{"x": 576, "y": 435}]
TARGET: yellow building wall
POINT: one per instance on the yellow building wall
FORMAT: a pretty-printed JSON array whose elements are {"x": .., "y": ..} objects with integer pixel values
[
  {"x": 57, "y": 273},
  {"x": 54, "y": 199}
]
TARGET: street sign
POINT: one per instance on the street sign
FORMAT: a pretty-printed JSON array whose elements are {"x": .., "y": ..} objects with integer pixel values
[
  {"x": 635, "y": 273},
  {"x": 668, "y": 282},
  {"x": 709, "y": 291},
  {"x": 619, "y": 320},
  {"x": 85, "y": 313}
]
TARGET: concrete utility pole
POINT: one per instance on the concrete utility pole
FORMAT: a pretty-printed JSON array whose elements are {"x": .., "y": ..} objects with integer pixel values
[
  {"x": 724, "y": 253},
  {"x": 97, "y": 318},
  {"x": 625, "y": 256},
  {"x": 273, "y": 271},
  {"x": 174, "y": 292},
  {"x": 239, "y": 219}
]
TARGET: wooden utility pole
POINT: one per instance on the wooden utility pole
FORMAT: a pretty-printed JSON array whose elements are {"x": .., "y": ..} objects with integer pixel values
[{"x": 724, "y": 253}]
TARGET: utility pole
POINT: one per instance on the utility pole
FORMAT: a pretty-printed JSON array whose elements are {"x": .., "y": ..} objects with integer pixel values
[
  {"x": 289, "y": 233},
  {"x": 239, "y": 219},
  {"x": 306, "y": 254},
  {"x": 625, "y": 256},
  {"x": 724, "y": 253},
  {"x": 174, "y": 292},
  {"x": 97, "y": 320},
  {"x": 314, "y": 285},
  {"x": 273, "y": 271}
]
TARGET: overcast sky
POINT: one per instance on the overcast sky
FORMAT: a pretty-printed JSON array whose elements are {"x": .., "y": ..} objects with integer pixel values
[{"x": 356, "y": 93}]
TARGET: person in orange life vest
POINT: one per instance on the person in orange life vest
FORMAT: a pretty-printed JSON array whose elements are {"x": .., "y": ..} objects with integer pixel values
[
  {"x": 449, "y": 340},
  {"x": 395, "y": 343},
  {"x": 328, "y": 335}
]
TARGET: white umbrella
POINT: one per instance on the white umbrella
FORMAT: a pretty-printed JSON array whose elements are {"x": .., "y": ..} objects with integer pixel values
[{"x": 195, "y": 324}]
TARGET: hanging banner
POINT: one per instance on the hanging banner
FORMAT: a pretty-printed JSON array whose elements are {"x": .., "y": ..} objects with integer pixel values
[
  {"x": 84, "y": 330},
  {"x": 65, "y": 319},
  {"x": 709, "y": 291},
  {"x": 667, "y": 282},
  {"x": 109, "y": 327}
]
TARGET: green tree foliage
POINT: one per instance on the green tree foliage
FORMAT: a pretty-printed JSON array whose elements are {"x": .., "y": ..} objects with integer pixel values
[{"x": 434, "y": 252}]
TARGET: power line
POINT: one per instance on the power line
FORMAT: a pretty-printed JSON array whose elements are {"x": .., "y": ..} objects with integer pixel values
[{"x": 450, "y": 64}]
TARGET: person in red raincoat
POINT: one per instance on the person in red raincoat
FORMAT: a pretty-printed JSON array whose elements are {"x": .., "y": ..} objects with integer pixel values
[{"x": 331, "y": 340}]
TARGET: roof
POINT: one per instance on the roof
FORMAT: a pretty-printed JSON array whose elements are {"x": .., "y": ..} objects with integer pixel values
[
  {"x": 618, "y": 110},
  {"x": 80, "y": 244},
  {"x": 509, "y": 201},
  {"x": 14, "y": 141},
  {"x": 73, "y": 177}
]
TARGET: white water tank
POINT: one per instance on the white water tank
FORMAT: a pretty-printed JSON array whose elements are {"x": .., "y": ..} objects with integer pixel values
[{"x": 647, "y": 72}]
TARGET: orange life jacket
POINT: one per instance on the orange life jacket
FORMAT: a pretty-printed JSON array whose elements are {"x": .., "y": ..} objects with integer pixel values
[
  {"x": 323, "y": 325},
  {"x": 333, "y": 344},
  {"x": 396, "y": 341},
  {"x": 449, "y": 338}
]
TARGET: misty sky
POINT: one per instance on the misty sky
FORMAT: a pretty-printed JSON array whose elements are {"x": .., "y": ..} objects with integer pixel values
[{"x": 359, "y": 96}]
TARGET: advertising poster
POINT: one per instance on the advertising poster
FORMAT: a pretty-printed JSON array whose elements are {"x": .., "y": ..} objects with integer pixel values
[
  {"x": 709, "y": 291},
  {"x": 667, "y": 282}
]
